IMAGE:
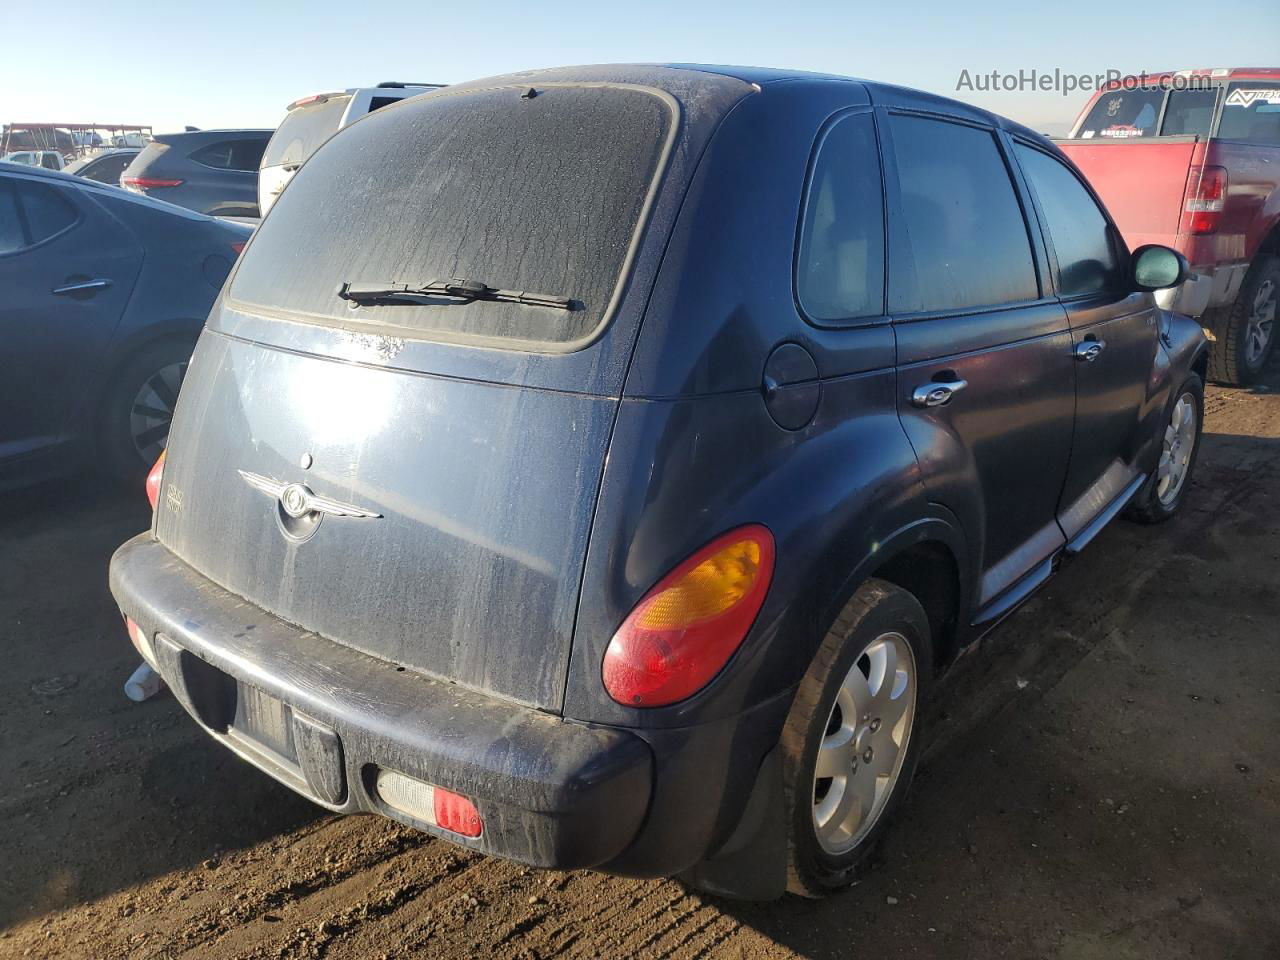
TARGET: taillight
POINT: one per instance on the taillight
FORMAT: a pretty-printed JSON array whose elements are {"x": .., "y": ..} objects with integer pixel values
[
  {"x": 314, "y": 98},
  {"x": 147, "y": 183},
  {"x": 153, "y": 480},
  {"x": 1205, "y": 200},
  {"x": 238, "y": 246},
  {"x": 428, "y": 803},
  {"x": 687, "y": 627}
]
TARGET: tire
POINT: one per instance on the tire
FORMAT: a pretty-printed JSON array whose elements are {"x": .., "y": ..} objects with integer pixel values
[
  {"x": 139, "y": 407},
  {"x": 1245, "y": 333},
  {"x": 823, "y": 859},
  {"x": 1156, "y": 502}
]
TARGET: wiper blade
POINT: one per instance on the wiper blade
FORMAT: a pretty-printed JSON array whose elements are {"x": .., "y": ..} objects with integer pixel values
[{"x": 464, "y": 291}]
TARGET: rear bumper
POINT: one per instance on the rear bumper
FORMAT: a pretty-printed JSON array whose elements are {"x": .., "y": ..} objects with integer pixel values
[
  {"x": 551, "y": 792},
  {"x": 1209, "y": 287}
]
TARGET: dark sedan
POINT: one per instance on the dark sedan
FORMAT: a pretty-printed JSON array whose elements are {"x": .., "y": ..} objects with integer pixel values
[
  {"x": 105, "y": 167},
  {"x": 104, "y": 296},
  {"x": 209, "y": 171}
]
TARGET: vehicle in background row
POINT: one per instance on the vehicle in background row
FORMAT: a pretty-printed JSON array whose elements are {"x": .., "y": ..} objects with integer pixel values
[
  {"x": 1192, "y": 160},
  {"x": 104, "y": 296},
  {"x": 210, "y": 171},
  {"x": 607, "y": 482},
  {"x": 105, "y": 166},
  {"x": 45, "y": 159},
  {"x": 312, "y": 120}
]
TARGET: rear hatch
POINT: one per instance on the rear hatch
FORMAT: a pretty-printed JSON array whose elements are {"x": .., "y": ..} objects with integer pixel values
[
  {"x": 310, "y": 122},
  {"x": 460, "y": 477}
]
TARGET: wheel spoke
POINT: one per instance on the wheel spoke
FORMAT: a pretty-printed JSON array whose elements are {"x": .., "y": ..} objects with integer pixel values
[
  {"x": 860, "y": 791},
  {"x": 882, "y": 764},
  {"x": 855, "y": 696},
  {"x": 835, "y": 756}
]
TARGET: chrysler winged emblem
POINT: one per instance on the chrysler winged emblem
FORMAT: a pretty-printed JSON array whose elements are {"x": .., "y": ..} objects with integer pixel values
[{"x": 298, "y": 501}]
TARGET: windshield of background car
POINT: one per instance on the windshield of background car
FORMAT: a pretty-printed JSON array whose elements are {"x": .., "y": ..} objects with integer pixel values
[
  {"x": 304, "y": 128},
  {"x": 545, "y": 194}
]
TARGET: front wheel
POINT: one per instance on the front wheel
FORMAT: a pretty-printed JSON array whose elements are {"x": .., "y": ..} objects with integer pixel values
[
  {"x": 1162, "y": 495},
  {"x": 852, "y": 739}
]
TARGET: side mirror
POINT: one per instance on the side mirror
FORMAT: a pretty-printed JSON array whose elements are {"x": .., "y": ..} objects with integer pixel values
[{"x": 1156, "y": 267}]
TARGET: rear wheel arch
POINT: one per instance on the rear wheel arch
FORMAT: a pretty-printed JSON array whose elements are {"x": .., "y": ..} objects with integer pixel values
[{"x": 923, "y": 558}]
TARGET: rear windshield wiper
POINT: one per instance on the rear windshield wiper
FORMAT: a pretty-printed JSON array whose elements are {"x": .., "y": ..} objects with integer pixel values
[{"x": 464, "y": 291}]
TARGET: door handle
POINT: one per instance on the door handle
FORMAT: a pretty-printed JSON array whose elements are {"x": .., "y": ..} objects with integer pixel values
[
  {"x": 937, "y": 393},
  {"x": 80, "y": 286},
  {"x": 1088, "y": 351}
]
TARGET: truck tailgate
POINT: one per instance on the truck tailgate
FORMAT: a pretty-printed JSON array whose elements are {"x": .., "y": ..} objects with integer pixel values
[{"x": 1142, "y": 182}]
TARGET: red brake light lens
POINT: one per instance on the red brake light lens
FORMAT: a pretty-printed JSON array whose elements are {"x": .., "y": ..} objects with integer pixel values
[
  {"x": 1206, "y": 197},
  {"x": 456, "y": 813},
  {"x": 238, "y": 246},
  {"x": 153, "y": 481},
  {"x": 148, "y": 183},
  {"x": 687, "y": 627}
]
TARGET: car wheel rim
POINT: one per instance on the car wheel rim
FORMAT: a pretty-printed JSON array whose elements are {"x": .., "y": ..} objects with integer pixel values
[
  {"x": 864, "y": 743},
  {"x": 1261, "y": 324},
  {"x": 1175, "y": 454},
  {"x": 152, "y": 411}
]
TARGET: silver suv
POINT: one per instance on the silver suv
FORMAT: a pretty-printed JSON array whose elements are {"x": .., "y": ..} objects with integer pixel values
[{"x": 313, "y": 120}]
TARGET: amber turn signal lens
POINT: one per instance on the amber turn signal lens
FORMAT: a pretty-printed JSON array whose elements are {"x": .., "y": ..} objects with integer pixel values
[{"x": 683, "y": 632}]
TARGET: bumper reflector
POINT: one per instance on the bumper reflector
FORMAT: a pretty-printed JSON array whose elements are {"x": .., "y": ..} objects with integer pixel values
[
  {"x": 141, "y": 641},
  {"x": 431, "y": 804}
]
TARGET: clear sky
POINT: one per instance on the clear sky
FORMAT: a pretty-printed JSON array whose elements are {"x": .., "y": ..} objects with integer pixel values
[{"x": 233, "y": 63}]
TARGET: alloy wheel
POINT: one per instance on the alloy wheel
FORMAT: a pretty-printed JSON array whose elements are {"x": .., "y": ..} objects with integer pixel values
[
  {"x": 1260, "y": 325},
  {"x": 861, "y": 753},
  {"x": 1175, "y": 454},
  {"x": 152, "y": 410}
]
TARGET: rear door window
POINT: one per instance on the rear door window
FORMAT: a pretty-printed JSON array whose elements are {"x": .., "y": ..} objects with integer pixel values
[
  {"x": 216, "y": 155},
  {"x": 1251, "y": 112},
  {"x": 966, "y": 225},
  {"x": 303, "y": 129},
  {"x": 1123, "y": 114},
  {"x": 544, "y": 194},
  {"x": 47, "y": 211},
  {"x": 840, "y": 267},
  {"x": 1081, "y": 237}
]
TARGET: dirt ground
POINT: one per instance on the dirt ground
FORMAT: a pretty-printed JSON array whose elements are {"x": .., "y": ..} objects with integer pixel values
[{"x": 1103, "y": 780}]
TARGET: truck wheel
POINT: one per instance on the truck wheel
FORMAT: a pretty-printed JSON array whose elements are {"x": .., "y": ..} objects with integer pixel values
[
  {"x": 1162, "y": 495},
  {"x": 139, "y": 407},
  {"x": 852, "y": 739},
  {"x": 1246, "y": 332}
]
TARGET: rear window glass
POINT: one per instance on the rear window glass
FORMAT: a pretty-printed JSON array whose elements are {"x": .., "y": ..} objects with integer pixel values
[
  {"x": 1190, "y": 113},
  {"x": 1251, "y": 113},
  {"x": 303, "y": 129},
  {"x": 1122, "y": 114},
  {"x": 840, "y": 269},
  {"x": 543, "y": 194}
]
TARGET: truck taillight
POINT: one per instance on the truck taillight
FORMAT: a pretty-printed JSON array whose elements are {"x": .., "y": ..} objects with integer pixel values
[
  {"x": 1206, "y": 196},
  {"x": 148, "y": 183},
  {"x": 687, "y": 627}
]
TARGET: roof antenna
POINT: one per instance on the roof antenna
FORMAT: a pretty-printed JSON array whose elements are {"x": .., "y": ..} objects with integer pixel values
[{"x": 529, "y": 94}]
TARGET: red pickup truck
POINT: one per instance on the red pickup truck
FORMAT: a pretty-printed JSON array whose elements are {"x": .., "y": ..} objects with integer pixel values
[{"x": 1192, "y": 160}]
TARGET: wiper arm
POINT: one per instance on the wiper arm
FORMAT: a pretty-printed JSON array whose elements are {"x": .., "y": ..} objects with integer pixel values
[{"x": 464, "y": 291}]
